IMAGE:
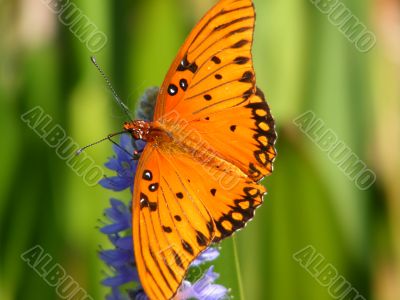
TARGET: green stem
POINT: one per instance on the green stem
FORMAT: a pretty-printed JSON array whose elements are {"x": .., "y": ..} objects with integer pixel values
[{"x": 237, "y": 264}]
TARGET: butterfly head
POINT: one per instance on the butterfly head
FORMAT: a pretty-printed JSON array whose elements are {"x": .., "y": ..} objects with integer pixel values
[{"x": 139, "y": 130}]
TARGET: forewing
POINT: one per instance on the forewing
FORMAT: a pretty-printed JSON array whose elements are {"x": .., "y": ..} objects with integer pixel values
[{"x": 214, "y": 68}]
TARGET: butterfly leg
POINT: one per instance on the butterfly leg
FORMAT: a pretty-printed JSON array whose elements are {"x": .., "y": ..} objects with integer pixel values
[
  {"x": 134, "y": 157},
  {"x": 137, "y": 150}
]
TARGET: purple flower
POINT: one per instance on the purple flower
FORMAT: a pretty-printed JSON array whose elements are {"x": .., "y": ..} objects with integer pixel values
[
  {"x": 120, "y": 216},
  {"x": 208, "y": 255},
  {"x": 204, "y": 288},
  {"x": 120, "y": 259},
  {"x": 124, "y": 280},
  {"x": 123, "y": 164}
]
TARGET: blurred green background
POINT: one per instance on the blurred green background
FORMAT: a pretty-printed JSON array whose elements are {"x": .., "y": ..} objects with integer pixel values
[{"x": 303, "y": 63}]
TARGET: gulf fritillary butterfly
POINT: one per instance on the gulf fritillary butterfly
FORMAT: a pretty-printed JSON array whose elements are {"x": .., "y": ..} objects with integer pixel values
[{"x": 210, "y": 122}]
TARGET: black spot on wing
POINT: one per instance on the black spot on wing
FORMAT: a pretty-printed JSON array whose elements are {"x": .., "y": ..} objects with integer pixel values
[
  {"x": 248, "y": 77},
  {"x": 241, "y": 60},
  {"x": 208, "y": 97},
  {"x": 172, "y": 89},
  {"x": 146, "y": 203},
  {"x": 153, "y": 187},
  {"x": 167, "y": 229},
  {"x": 186, "y": 65},
  {"x": 216, "y": 60},
  {"x": 240, "y": 44},
  {"x": 202, "y": 240},
  {"x": 213, "y": 192},
  {"x": 183, "y": 84},
  {"x": 187, "y": 247},
  {"x": 178, "y": 260},
  {"x": 247, "y": 94},
  {"x": 254, "y": 172},
  {"x": 210, "y": 227},
  {"x": 147, "y": 175}
]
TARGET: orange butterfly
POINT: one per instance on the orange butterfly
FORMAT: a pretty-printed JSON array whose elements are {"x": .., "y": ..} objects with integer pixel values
[{"x": 211, "y": 141}]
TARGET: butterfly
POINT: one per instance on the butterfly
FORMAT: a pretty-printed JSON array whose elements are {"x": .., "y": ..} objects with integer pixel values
[{"x": 209, "y": 144}]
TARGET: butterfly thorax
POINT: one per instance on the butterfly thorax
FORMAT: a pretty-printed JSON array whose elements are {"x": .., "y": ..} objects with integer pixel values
[
  {"x": 174, "y": 139},
  {"x": 147, "y": 131}
]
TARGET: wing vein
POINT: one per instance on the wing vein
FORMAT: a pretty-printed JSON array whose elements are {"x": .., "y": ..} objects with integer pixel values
[
  {"x": 192, "y": 86},
  {"x": 144, "y": 261},
  {"x": 213, "y": 88},
  {"x": 212, "y": 18},
  {"x": 213, "y": 44},
  {"x": 217, "y": 29}
]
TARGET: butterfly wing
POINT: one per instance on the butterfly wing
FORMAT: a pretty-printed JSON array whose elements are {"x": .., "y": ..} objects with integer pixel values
[
  {"x": 171, "y": 226},
  {"x": 210, "y": 90},
  {"x": 213, "y": 69},
  {"x": 227, "y": 193},
  {"x": 180, "y": 208},
  {"x": 211, "y": 86},
  {"x": 244, "y": 135}
]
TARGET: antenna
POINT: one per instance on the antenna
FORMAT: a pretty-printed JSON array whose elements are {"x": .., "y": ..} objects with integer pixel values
[
  {"x": 116, "y": 97},
  {"x": 102, "y": 140}
]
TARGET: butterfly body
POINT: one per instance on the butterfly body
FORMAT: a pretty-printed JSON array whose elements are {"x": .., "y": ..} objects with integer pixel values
[
  {"x": 175, "y": 140},
  {"x": 151, "y": 132},
  {"x": 209, "y": 144}
]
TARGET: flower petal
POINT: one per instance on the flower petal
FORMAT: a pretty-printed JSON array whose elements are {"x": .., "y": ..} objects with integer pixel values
[
  {"x": 125, "y": 243},
  {"x": 116, "y": 183},
  {"x": 204, "y": 288},
  {"x": 115, "y": 257},
  {"x": 208, "y": 255},
  {"x": 113, "y": 164}
]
